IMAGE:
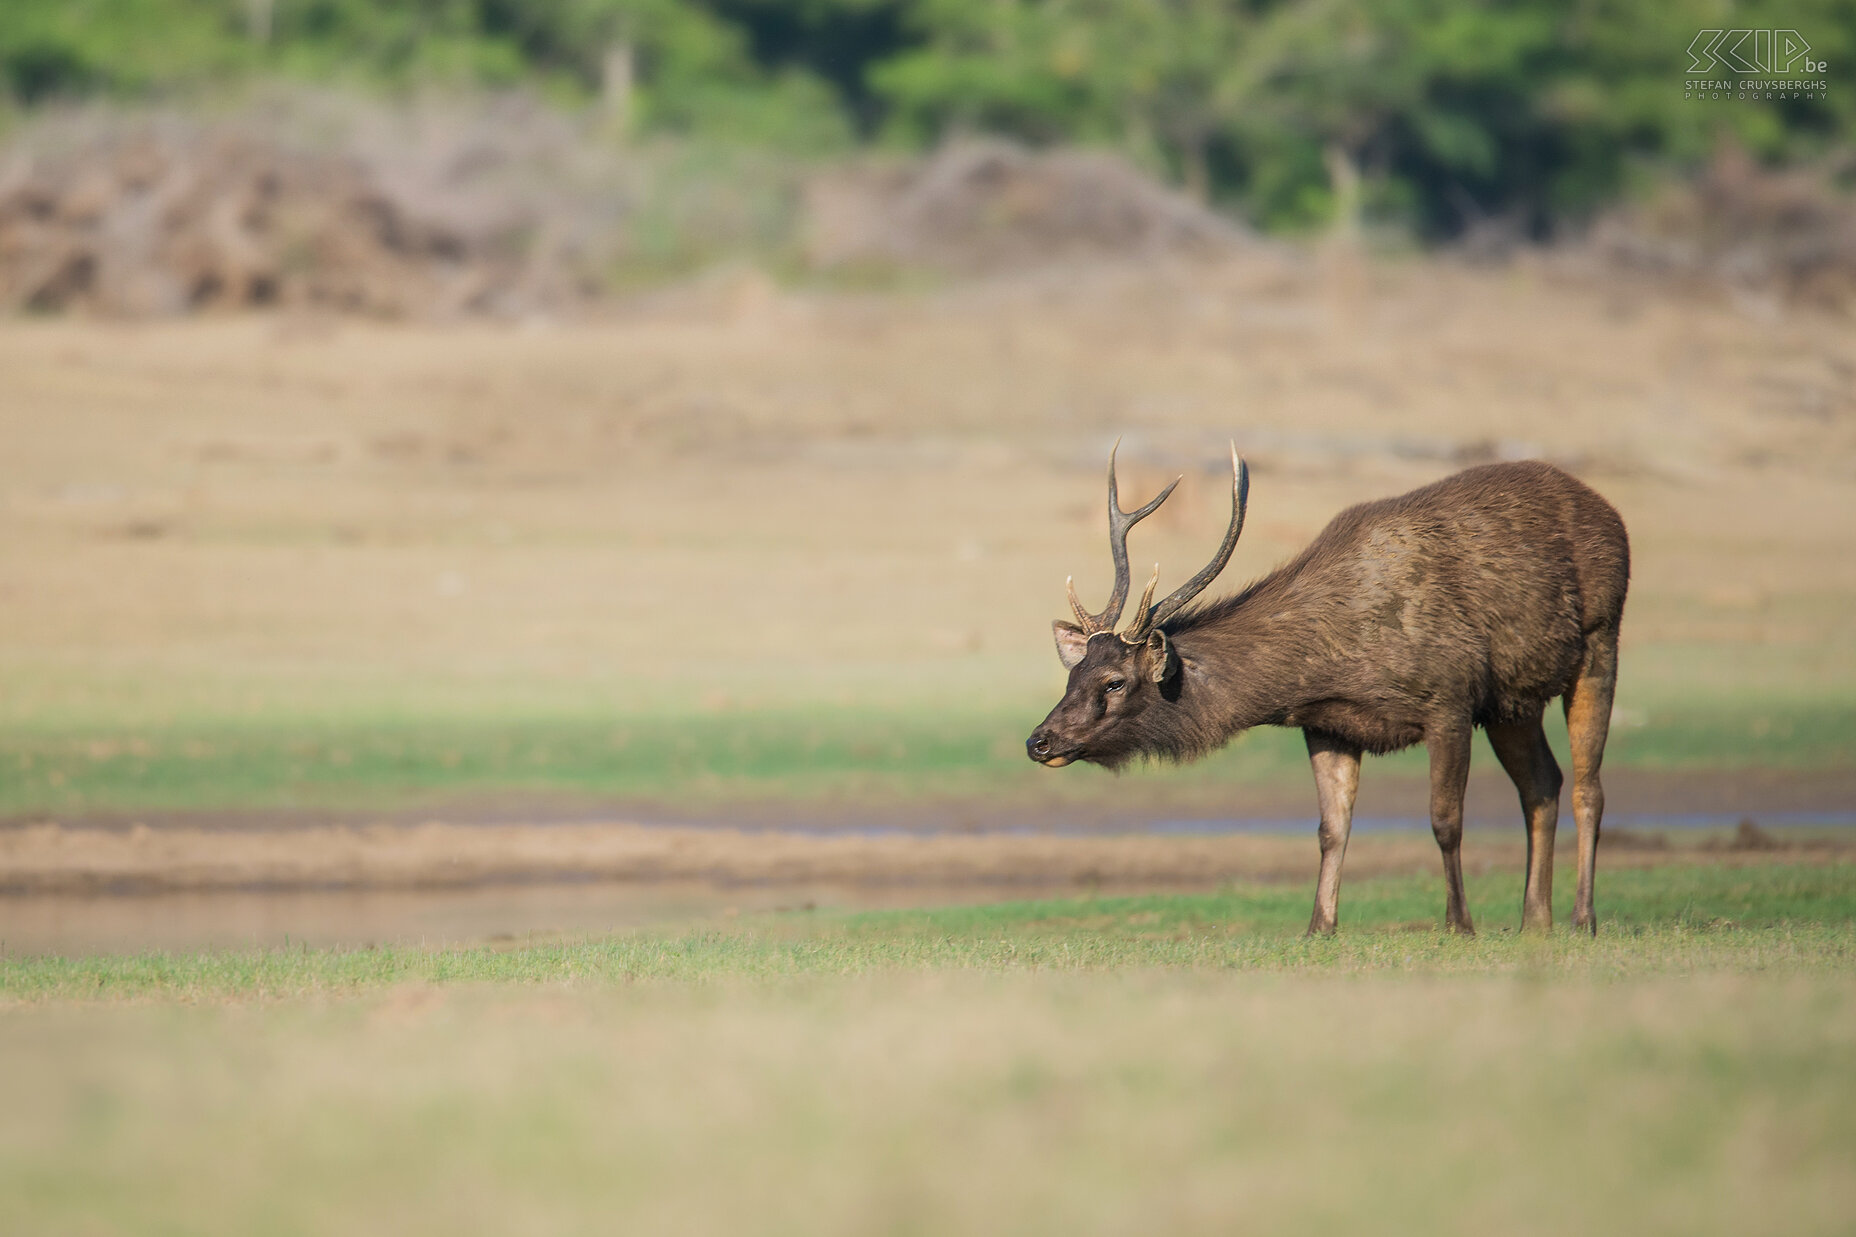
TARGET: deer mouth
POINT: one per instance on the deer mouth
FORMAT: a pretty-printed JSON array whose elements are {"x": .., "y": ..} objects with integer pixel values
[{"x": 1056, "y": 762}]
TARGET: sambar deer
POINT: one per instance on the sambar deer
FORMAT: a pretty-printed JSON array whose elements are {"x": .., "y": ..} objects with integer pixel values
[{"x": 1469, "y": 602}]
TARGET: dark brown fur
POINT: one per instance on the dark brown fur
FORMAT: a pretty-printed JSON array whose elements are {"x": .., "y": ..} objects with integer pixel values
[{"x": 1467, "y": 603}]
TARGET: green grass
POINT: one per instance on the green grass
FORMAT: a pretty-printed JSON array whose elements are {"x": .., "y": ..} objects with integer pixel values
[
  {"x": 1092, "y": 1066},
  {"x": 360, "y": 761},
  {"x": 1666, "y": 919},
  {"x": 809, "y": 751},
  {"x": 77, "y": 737}
]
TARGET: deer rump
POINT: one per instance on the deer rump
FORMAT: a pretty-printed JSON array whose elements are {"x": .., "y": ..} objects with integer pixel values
[{"x": 1467, "y": 603}]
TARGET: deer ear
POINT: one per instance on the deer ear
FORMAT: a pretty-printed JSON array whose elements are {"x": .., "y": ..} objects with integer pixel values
[
  {"x": 1162, "y": 662},
  {"x": 1071, "y": 642}
]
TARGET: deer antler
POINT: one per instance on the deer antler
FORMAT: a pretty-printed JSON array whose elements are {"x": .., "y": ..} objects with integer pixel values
[
  {"x": 1147, "y": 595},
  {"x": 1119, "y": 522},
  {"x": 1146, "y": 620}
]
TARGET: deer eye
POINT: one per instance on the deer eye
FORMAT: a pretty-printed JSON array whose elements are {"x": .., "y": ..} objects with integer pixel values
[{"x": 1114, "y": 685}]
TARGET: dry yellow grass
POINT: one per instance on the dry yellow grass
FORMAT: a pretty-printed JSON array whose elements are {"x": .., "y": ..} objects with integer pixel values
[
  {"x": 1198, "y": 1102},
  {"x": 737, "y": 494}
]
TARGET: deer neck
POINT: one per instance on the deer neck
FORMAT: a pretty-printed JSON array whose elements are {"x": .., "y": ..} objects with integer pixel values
[{"x": 1248, "y": 668}]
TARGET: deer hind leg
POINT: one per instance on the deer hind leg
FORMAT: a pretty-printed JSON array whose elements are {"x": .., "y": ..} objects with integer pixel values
[
  {"x": 1337, "y": 780},
  {"x": 1449, "y": 777},
  {"x": 1588, "y": 723},
  {"x": 1522, "y": 749}
]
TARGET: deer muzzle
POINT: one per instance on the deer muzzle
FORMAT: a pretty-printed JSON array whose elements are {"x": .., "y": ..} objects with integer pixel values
[{"x": 1042, "y": 749}]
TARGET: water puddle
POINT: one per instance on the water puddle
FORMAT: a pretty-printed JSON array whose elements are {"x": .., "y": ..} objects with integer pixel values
[{"x": 1648, "y": 822}]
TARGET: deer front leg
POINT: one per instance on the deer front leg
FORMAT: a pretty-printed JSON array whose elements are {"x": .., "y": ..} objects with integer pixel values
[
  {"x": 1337, "y": 780},
  {"x": 1449, "y": 750}
]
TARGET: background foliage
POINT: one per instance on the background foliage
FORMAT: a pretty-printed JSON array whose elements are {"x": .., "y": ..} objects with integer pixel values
[{"x": 1430, "y": 115}]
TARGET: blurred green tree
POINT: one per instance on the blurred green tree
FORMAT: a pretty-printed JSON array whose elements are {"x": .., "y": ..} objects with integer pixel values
[
  {"x": 1444, "y": 113},
  {"x": 1433, "y": 115}
]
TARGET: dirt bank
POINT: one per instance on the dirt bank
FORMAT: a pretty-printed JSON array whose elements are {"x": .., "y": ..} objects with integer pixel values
[{"x": 50, "y": 858}]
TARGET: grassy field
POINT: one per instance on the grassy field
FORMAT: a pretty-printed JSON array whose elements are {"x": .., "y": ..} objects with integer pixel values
[
  {"x": 736, "y": 547},
  {"x": 746, "y": 543},
  {"x": 1663, "y": 919},
  {"x": 1179, "y": 1064}
]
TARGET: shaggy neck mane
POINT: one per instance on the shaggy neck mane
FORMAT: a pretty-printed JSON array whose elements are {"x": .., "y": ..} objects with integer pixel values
[{"x": 1240, "y": 659}]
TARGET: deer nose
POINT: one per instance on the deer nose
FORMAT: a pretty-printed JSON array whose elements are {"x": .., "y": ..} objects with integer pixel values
[{"x": 1038, "y": 746}]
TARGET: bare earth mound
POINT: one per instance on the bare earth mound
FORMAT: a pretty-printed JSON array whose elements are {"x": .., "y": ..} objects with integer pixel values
[
  {"x": 405, "y": 216},
  {"x": 983, "y": 205}
]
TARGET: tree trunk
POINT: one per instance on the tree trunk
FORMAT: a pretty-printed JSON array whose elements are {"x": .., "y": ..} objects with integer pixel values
[
  {"x": 1344, "y": 181},
  {"x": 258, "y": 15},
  {"x": 616, "y": 81},
  {"x": 1197, "y": 172}
]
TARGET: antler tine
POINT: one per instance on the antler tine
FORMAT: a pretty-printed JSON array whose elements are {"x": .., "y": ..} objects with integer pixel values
[
  {"x": 1146, "y": 620},
  {"x": 1119, "y": 522},
  {"x": 1083, "y": 617},
  {"x": 1147, "y": 595}
]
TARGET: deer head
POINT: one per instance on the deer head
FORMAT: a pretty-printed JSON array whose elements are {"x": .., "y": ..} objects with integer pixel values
[{"x": 1116, "y": 676}]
